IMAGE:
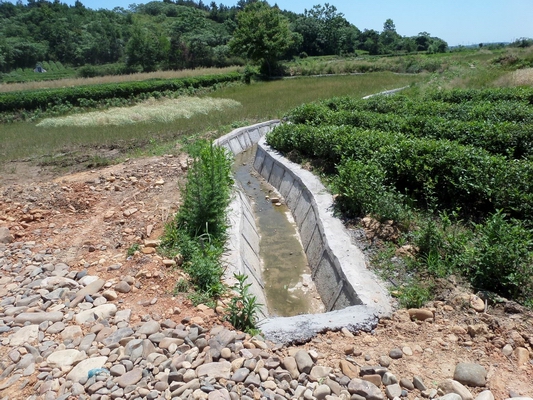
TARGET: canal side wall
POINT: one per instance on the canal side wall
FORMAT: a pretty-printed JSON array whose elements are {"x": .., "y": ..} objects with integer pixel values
[
  {"x": 354, "y": 297},
  {"x": 242, "y": 255}
]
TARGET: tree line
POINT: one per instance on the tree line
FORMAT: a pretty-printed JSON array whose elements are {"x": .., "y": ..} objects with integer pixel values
[{"x": 186, "y": 34}]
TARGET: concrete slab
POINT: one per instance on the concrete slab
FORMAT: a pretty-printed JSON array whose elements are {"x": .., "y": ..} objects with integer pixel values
[
  {"x": 286, "y": 185},
  {"x": 302, "y": 328}
]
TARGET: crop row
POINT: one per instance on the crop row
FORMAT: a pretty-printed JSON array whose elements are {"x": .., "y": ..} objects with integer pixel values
[
  {"x": 45, "y": 98},
  {"x": 483, "y": 110},
  {"x": 524, "y": 94},
  {"x": 454, "y": 176},
  {"x": 511, "y": 139}
]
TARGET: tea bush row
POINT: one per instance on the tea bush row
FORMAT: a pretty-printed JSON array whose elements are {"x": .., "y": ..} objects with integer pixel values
[
  {"x": 76, "y": 96},
  {"x": 524, "y": 94},
  {"x": 511, "y": 139},
  {"x": 514, "y": 110},
  {"x": 425, "y": 170}
]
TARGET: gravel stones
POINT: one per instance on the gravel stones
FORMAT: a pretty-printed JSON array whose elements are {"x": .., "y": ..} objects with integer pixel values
[
  {"x": 104, "y": 311},
  {"x": 470, "y": 374}
]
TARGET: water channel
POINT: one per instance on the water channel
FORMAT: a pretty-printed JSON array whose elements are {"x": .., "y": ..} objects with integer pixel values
[{"x": 289, "y": 286}]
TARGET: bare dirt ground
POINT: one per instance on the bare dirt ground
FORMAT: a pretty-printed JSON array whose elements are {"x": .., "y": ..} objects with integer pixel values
[{"x": 93, "y": 217}]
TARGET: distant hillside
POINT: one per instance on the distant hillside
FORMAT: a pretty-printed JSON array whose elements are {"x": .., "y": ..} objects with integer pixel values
[{"x": 174, "y": 35}]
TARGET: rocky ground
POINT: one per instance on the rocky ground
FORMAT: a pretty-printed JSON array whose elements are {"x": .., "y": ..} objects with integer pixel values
[{"x": 80, "y": 319}]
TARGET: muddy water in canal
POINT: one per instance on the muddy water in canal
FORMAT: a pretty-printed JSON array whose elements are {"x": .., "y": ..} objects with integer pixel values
[{"x": 289, "y": 287}]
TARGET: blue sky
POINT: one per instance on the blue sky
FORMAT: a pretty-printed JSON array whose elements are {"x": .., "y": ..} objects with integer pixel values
[{"x": 456, "y": 21}]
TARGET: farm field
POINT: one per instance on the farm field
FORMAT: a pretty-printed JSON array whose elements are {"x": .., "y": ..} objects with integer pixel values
[{"x": 258, "y": 101}]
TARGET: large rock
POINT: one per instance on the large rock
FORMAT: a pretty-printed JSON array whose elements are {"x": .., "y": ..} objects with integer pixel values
[
  {"x": 420, "y": 314},
  {"x": 217, "y": 370},
  {"x": 366, "y": 389},
  {"x": 318, "y": 373},
  {"x": 470, "y": 374},
  {"x": 149, "y": 327},
  {"x": 304, "y": 361},
  {"x": 62, "y": 358},
  {"x": 452, "y": 386},
  {"x": 290, "y": 365},
  {"x": 38, "y": 317},
  {"x": 450, "y": 396},
  {"x": 393, "y": 391},
  {"x": 485, "y": 395},
  {"x": 104, "y": 311},
  {"x": 5, "y": 235},
  {"x": 522, "y": 355},
  {"x": 71, "y": 332},
  {"x": 82, "y": 369},
  {"x": 349, "y": 369},
  {"x": 25, "y": 335},
  {"x": 91, "y": 289},
  {"x": 130, "y": 378}
]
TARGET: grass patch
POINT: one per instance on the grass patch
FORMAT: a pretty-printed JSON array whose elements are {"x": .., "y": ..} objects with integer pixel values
[{"x": 152, "y": 110}]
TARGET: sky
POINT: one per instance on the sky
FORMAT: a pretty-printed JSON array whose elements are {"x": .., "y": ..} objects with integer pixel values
[{"x": 459, "y": 22}]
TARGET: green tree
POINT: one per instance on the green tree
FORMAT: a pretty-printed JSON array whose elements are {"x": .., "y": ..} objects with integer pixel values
[
  {"x": 389, "y": 38},
  {"x": 146, "y": 48},
  {"x": 263, "y": 35}
]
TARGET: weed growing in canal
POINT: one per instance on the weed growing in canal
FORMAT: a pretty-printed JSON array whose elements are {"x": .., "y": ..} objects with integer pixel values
[{"x": 243, "y": 308}]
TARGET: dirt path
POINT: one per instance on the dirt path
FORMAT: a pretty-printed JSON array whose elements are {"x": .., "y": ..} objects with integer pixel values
[{"x": 94, "y": 217}]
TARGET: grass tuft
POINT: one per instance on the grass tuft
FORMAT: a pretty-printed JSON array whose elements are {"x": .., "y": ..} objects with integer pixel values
[{"x": 152, "y": 110}]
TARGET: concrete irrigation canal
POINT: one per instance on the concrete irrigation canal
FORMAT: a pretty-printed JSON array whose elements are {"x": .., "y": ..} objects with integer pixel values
[{"x": 279, "y": 261}]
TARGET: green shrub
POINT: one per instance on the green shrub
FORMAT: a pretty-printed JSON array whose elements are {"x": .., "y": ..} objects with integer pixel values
[
  {"x": 501, "y": 257},
  {"x": 207, "y": 192},
  {"x": 414, "y": 294},
  {"x": 198, "y": 231}
]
